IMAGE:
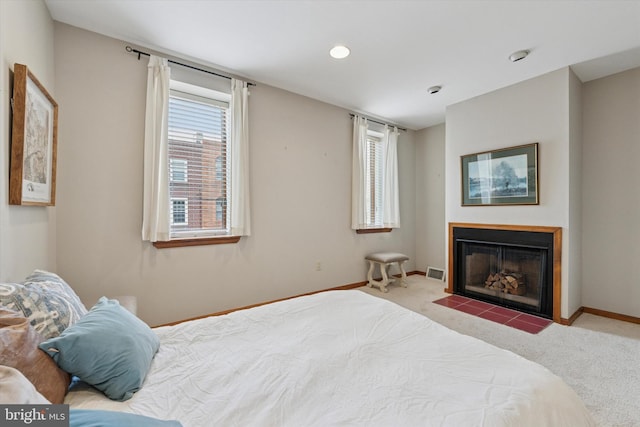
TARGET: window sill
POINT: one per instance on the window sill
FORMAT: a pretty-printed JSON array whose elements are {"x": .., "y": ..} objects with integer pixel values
[
  {"x": 373, "y": 230},
  {"x": 178, "y": 243}
]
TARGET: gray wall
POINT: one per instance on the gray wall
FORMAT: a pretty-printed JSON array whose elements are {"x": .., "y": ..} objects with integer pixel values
[
  {"x": 430, "y": 188},
  {"x": 27, "y": 233},
  {"x": 611, "y": 196},
  {"x": 300, "y": 160}
]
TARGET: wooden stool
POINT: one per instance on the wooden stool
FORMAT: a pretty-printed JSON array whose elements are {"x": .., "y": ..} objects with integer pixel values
[{"x": 384, "y": 260}]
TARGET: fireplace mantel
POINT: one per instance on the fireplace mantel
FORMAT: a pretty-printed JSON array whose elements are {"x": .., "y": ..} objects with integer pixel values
[{"x": 557, "y": 258}]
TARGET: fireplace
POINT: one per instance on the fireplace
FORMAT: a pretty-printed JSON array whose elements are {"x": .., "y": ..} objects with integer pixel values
[{"x": 513, "y": 266}]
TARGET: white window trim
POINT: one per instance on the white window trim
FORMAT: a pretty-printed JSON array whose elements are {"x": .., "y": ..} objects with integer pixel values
[{"x": 199, "y": 93}]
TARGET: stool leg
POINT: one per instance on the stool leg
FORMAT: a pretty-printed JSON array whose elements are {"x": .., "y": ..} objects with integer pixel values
[
  {"x": 385, "y": 278},
  {"x": 370, "y": 274},
  {"x": 390, "y": 276},
  {"x": 403, "y": 281}
]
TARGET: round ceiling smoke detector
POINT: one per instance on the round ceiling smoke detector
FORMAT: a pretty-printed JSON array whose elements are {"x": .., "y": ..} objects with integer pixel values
[
  {"x": 339, "y": 52},
  {"x": 434, "y": 89},
  {"x": 519, "y": 55}
]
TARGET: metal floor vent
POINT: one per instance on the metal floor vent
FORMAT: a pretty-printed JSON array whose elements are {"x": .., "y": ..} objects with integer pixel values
[{"x": 435, "y": 273}]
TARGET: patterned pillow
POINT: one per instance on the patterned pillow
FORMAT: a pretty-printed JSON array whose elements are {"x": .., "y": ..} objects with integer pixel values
[{"x": 46, "y": 300}]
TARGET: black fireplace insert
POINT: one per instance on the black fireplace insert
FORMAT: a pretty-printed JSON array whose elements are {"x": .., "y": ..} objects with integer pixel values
[{"x": 510, "y": 268}]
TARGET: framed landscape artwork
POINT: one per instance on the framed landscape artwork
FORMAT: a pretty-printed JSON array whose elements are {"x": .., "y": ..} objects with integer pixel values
[
  {"x": 34, "y": 140},
  {"x": 508, "y": 176}
]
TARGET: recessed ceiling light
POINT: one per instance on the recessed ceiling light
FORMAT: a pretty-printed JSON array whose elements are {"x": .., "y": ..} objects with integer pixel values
[
  {"x": 434, "y": 89},
  {"x": 519, "y": 55},
  {"x": 339, "y": 52}
]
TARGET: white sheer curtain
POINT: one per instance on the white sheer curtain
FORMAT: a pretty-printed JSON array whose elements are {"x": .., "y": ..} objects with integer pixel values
[
  {"x": 390, "y": 198},
  {"x": 359, "y": 172},
  {"x": 155, "y": 221},
  {"x": 239, "y": 147}
]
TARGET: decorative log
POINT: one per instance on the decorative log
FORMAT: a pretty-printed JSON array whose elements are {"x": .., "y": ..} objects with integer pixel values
[
  {"x": 506, "y": 282},
  {"x": 518, "y": 291}
]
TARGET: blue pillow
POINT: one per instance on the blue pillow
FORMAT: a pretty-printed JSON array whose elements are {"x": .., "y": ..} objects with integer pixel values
[
  {"x": 108, "y": 348},
  {"x": 96, "y": 418}
]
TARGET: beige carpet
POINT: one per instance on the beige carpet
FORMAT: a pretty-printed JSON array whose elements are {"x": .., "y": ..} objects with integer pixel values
[{"x": 597, "y": 356}]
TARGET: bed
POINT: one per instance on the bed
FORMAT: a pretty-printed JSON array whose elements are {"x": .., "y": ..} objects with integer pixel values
[
  {"x": 338, "y": 358},
  {"x": 334, "y": 358}
]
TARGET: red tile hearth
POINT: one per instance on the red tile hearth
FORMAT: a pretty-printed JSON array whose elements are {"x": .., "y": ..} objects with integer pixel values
[{"x": 515, "y": 319}]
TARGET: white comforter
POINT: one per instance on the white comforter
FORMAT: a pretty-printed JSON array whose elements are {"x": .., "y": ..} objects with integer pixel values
[{"x": 342, "y": 358}]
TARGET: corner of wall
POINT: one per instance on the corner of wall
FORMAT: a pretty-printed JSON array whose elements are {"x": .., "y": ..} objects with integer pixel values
[
  {"x": 430, "y": 198},
  {"x": 575, "y": 192}
]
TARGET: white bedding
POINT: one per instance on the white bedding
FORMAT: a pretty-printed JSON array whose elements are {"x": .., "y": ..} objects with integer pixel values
[{"x": 341, "y": 358}]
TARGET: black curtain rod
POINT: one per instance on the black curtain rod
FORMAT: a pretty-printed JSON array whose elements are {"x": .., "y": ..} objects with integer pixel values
[
  {"x": 139, "y": 52},
  {"x": 380, "y": 123}
]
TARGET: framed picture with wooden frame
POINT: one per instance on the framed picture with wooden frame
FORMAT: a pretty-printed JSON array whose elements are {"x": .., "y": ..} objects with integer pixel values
[
  {"x": 34, "y": 142},
  {"x": 508, "y": 176}
]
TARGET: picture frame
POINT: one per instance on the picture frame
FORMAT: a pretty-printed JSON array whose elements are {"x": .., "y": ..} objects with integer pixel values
[
  {"x": 508, "y": 176},
  {"x": 34, "y": 141}
]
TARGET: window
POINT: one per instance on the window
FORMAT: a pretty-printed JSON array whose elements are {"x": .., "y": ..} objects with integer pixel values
[
  {"x": 198, "y": 162},
  {"x": 178, "y": 170},
  {"x": 373, "y": 180},
  {"x": 220, "y": 209},
  {"x": 179, "y": 212},
  {"x": 206, "y": 133},
  {"x": 219, "y": 168}
]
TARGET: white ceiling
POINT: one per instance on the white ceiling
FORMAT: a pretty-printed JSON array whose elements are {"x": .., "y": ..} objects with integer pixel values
[{"x": 398, "y": 48}]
